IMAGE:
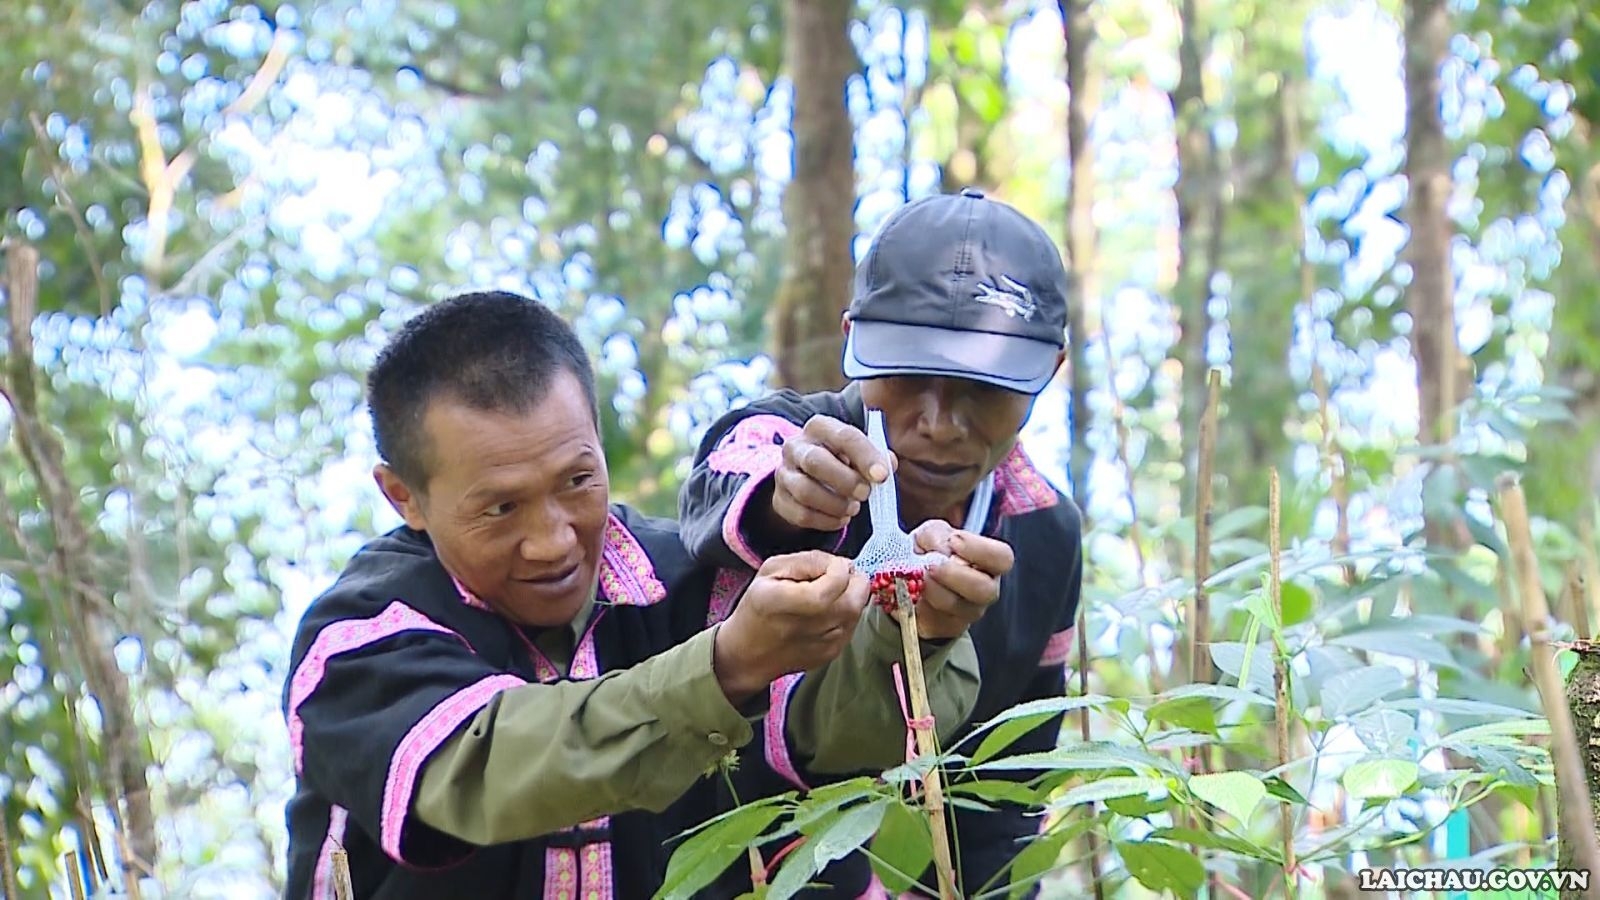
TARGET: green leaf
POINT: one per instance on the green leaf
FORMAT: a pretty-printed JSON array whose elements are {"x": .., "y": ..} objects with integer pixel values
[
  {"x": 1297, "y": 603},
  {"x": 1081, "y": 757},
  {"x": 1230, "y": 657},
  {"x": 1007, "y": 734},
  {"x": 1193, "y": 713},
  {"x": 1160, "y": 866},
  {"x": 1212, "y": 841},
  {"x": 1380, "y": 779},
  {"x": 843, "y": 834},
  {"x": 1115, "y": 786},
  {"x": 1042, "y": 854},
  {"x": 1234, "y": 521},
  {"x": 1396, "y": 642},
  {"x": 1453, "y": 706},
  {"x": 1047, "y": 706},
  {"x": 1235, "y": 793},
  {"x": 903, "y": 844},
  {"x": 1283, "y": 790},
  {"x": 1138, "y": 806},
  {"x": 700, "y": 859},
  {"x": 1384, "y": 730},
  {"x": 1224, "y": 692},
  {"x": 1351, "y": 692},
  {"x": 997, "y": 791}
]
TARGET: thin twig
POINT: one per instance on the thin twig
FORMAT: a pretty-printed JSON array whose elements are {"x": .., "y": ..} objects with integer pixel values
[
  {"x": 8, "y": 865},
  {"x": 927, "y": 740},
  {"x": 1083, "y": 728},
  {"x": 1200, "y": 620},
  {"x": 65, "y": 201},
  {"x": 1280, "y": 677},
  {"x": 1578, "y": 826}
]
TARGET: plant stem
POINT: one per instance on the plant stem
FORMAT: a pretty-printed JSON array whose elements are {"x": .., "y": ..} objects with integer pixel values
[
  {"x": 1083, "y": 727},
  {"x": 927, "y": 740},
  {"x": 1577, "y": 827},
  {"x": 1280, "y": 677}
]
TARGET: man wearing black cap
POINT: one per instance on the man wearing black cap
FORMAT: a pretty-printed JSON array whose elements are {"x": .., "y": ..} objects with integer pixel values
[{"x": 957, "y": 322}]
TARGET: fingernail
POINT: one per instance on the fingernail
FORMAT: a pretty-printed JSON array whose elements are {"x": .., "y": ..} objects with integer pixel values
[
  {"x": 863, "y": 491},
  {"x": 854, "y": 508},
  {"x": 878, "y": 473}
]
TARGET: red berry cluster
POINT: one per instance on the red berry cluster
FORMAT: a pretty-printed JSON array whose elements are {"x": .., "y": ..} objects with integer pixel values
[{"x": 883, "y": 587}]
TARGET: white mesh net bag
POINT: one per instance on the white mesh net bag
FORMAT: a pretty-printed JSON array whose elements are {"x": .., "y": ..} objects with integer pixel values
[{"x": 890, "y": 548}]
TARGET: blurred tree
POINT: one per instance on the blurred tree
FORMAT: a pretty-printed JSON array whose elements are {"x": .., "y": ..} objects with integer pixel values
[{"x": 820, "y": 199}]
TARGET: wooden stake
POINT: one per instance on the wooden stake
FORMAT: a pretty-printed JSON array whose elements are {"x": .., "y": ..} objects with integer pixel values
[
  {"x": 1577, "y": 826},
  {"x": 1280, "y": 678},
  {"x": 927, "y": 740}
]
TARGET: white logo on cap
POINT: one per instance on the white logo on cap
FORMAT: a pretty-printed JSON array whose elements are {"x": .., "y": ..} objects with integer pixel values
[{"x": 1011, "y": 296}]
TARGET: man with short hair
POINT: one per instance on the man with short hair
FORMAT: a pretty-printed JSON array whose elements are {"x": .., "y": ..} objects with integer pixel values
[
  {"x": 957, "y": 323},
  {"x": 516, "y": 694}
]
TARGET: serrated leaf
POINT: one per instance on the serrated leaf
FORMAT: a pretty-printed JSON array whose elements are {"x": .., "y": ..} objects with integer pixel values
[
  {"x": 1457, "y": 707},
  {"x": 1160, "y": 866},
  {"x": 1351, "y": 692},
  {"x": 1235, "y": 793},
  {"x": 1042, "y": 854},
  {"x": 1008, "y": 733},
  {"x": 1046, "y": 706},
  {"x": 843, "y": 834},
  {"x": 1379, "y": 779},
  {"x": 1224, "y": 692}
]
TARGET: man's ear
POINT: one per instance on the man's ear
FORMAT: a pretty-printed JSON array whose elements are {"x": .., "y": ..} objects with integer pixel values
[{"x": 406, "y": 502}]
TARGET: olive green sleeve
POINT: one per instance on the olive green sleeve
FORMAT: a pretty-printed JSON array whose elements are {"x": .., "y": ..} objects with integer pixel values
[
  {"x": 846, "y": 716},
  {"x": 542, "y": 757}
]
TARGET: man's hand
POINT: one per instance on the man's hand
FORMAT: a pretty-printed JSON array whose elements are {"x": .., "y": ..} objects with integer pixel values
[
  {"x": 798, "y": 613},
  {"x": 827, "y": 471},
  {"x": 958, "y": 591}
]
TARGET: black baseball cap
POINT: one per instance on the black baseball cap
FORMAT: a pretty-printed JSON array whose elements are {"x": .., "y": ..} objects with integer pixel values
[{"x": 962, "y": 286}]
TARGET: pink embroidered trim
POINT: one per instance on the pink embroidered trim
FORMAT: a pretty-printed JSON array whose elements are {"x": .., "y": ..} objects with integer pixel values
[
  {"x": 777, "y": 742},
  {"x": 1058, "y": 649},
  {"x": 626, "y": 575},
  {"x": 732, "y": 533},
  {"x": 725, "y": 591},
  {"x": 1020, "y": 487},
  {"x": 342, "y": 637},
  {"x": 560, "y": 873},
  {"x": 596, "y": 877},
  {"x": 754, "y": 446},
  {"x": 468, "y": 597},
  {"x": 322, "y": 875},
  {"x": 420, "y": 742}
]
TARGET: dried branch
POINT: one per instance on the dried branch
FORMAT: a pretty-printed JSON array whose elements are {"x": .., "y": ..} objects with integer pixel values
[
  {"x": 1577, "y": 825},
  {"x": 8, "y": 864}
]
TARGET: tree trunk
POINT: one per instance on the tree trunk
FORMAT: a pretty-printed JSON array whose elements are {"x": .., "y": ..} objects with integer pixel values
[
  {"x": 819, "y": 202},
  {"x": 89, "y": 632},
  {"x": 1199, "y": 195},
  {"x": 1431, "y": 295},
  {"x": 1081, "y": 234}
]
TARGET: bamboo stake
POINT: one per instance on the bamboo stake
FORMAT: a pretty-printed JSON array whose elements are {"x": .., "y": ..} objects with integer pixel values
[
  {"x": 1280, "y": 677},
  {"x": 1577, "y": 826},
  {"x": 8, "y": 866},
  {"x": 927, "y": 740}
]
